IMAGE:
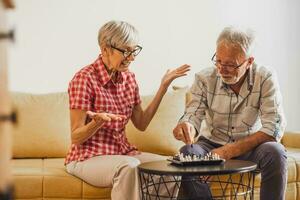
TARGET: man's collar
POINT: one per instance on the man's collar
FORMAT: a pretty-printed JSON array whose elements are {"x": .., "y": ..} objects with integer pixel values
[
  {"x": 250, "y": 77},
  {"x": 222, "y": 85}
]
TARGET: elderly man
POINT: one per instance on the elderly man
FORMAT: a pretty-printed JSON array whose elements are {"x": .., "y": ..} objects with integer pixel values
[{"x": 236, "y": 112}]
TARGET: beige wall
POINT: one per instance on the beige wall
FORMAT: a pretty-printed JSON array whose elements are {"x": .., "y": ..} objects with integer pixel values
[{"x": 56, "y": 38}]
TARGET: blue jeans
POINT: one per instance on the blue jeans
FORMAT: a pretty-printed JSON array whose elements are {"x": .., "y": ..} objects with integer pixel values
[{"x": 270, "y": 158}]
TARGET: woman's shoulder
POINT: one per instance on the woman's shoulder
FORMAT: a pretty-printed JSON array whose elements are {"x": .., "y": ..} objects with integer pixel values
[{"x": 85, "y": 74}]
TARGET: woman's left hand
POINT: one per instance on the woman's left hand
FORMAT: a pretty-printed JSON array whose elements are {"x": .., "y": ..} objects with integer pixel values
[{"x": 170, "y": 75}]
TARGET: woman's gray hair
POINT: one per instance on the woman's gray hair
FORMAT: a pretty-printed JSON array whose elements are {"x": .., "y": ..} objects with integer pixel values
[
  {"x": 117, "y": 33},
  {"x": 238, "y": 37}
]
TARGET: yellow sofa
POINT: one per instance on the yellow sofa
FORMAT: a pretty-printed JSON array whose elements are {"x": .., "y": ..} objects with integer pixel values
[{"x": 42, "y": 138}]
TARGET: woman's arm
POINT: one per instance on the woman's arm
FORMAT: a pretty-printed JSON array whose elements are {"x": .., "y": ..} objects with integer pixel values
[
  {"x": 141, "y": 118},
  {"x": 80, "y": 131}
]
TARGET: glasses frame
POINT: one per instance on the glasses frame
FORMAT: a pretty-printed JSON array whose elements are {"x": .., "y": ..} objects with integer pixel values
[
  {"x": 126, "y": 53},
  {"x": 230, "y": 67}
]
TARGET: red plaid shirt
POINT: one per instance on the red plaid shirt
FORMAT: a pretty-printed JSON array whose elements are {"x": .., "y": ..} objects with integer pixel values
[{"x": 92, "y": 89}]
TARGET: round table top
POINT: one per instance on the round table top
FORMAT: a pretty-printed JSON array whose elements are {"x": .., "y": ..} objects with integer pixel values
[{"x": 164, "y": 167}]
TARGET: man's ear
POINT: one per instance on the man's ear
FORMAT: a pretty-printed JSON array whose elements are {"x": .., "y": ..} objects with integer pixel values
[{"x": 251, "y": 60}]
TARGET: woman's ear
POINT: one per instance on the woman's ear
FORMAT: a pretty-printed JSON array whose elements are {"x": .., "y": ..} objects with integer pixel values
[{"x": 104, "y": 50}]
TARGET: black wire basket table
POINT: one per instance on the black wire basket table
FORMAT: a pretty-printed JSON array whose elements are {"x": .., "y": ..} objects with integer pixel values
[{"x": 232, "y": 180}]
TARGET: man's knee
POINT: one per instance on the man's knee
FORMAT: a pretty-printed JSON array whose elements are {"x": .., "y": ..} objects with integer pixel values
[
  {"x": 273, "y": 152},
  {"x": 276, "y": 149}
]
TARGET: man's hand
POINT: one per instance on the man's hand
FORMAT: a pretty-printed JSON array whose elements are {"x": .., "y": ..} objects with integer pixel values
[
  {"x": 223, "y": 152},
  {"x": 104, "y": 117},
  {"x": 185, "y": 132}
]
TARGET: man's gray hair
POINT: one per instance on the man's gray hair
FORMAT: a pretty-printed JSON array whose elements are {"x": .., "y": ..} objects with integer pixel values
[
  {"x": 238, "y": 37},
  {"x": 117, "y": 33}
]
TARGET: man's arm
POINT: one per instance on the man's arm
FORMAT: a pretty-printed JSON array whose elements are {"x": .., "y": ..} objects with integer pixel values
[
  {"x": 189, "y": 124},
  {"x": 195, "y": 110},
  {"x": 242, "y": 146}
]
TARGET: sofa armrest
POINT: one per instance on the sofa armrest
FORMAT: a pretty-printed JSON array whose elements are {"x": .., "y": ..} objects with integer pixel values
[{"x": 291, "y": 139}]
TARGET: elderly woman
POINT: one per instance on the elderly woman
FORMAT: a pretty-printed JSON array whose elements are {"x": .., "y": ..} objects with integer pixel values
[{"x": 103, "y": 97}]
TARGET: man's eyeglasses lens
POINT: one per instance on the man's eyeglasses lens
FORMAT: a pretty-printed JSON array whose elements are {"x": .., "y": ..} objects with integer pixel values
[{"x": 230, "y": 67}]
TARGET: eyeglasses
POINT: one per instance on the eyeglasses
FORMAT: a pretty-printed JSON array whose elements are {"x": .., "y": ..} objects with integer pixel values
[
  {"x": 229, "y": 67},
  {"x": 126, "y": 53}
]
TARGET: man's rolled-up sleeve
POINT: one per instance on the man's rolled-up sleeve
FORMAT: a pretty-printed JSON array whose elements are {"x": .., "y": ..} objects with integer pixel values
[
  {"x": 271, "y": 108},
  {"x": 195, "y": 109}
]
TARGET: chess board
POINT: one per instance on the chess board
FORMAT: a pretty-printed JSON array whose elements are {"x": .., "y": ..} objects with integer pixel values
[{"x": 193, "y": 160}]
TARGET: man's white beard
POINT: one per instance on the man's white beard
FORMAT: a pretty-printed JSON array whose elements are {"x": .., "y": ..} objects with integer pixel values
[{"x": 231, "y": 81}]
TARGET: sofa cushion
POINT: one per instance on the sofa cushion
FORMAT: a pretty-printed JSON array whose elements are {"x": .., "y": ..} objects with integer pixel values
[
  {"x": 28, "y": 178},
  {"x": 43, "y": 128},
  {"x": 47, "y": 178},
  {"x": 294, "y": 154},
  {"x": 291, "y": 139},
  {"x": 158, "y": 137}
]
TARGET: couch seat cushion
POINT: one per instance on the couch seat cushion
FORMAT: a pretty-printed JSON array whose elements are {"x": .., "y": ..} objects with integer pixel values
[
  {"x": 294, "y": 154},
  {"x": 47, "y": 178}
]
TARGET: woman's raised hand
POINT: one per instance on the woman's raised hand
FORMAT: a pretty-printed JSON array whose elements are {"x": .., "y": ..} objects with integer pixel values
[
  {"x": 104, "y": 117},
  {"x": 170, "y": 75}
]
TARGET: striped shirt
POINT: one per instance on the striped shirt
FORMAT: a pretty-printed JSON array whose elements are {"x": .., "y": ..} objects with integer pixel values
[{"x": 221, "y": 116}]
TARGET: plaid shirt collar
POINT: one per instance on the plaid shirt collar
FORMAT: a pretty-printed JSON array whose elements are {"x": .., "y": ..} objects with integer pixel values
[
  {"x": 247, "y": 85},
  {"x": 104, "y": 77}
]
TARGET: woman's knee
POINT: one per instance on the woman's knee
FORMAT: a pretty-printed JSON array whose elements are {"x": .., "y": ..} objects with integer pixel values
[
  {"x": 128, "y": 161},
  {"x": 126, "y": 166}
]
